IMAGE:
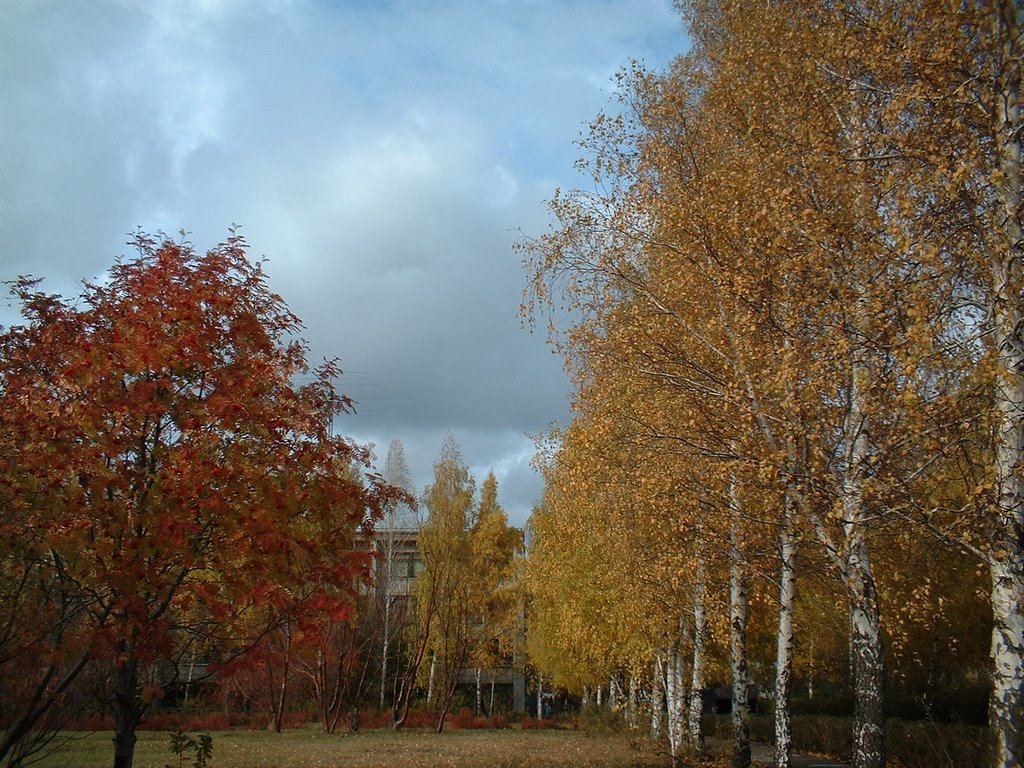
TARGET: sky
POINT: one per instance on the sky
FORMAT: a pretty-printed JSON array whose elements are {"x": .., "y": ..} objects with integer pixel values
[{"x": 384, "y": 156}]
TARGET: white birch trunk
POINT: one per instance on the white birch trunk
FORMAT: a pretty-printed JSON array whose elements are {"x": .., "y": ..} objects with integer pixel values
[
  {"x": 738, "y": 635},
  {"x": 540, "y": 697},
  {"x": 865, "y": 611},
  {"x": 674, "y": 700},
  {"x": 597, "y": 697},
  {"x": 810, "y": 667},
  {"x": 188, "y": 680},
  {"x": 385, "y": 648},
  {"x": 479, "y": 692},
  {"x": 784, "y": 638},
  {"x": 658, "y": 699},
  {"x": 1006, "y": 559},
  {"x": 490, "y": 708},
  {"x": 868, "y": 660},
  {"x": 384, "y": 581},
  {"x": 430, "y": 679},
  {"x": 631, "y": 702},
  {"x": 695, "y": 731}
]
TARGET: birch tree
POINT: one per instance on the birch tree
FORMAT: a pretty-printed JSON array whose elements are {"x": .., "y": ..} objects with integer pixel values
[
  {"x": 445, "y": 545},
  {"x": 807, "y": 235},
  {"x": 494, "y": 592}
]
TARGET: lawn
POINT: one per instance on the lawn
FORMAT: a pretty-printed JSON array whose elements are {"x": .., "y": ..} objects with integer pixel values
[{"x": 310, "y": 748}]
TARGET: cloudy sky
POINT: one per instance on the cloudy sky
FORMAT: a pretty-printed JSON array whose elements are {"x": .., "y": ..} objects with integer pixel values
[{"x": 385, "y": 156}]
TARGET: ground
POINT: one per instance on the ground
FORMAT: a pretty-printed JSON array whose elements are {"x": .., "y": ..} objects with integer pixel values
[{"x": 309, "y": 748}]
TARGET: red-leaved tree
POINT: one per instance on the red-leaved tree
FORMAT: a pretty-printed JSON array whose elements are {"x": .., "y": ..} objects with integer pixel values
[{"x": 168, "y": 474}]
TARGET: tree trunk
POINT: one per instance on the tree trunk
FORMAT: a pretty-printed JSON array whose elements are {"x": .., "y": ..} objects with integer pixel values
[
  {"x": 1006, "y": 706},
  {"x": 868, "y": 670},
  {"x": 127, "y": 711},
  {"x": 479, "y": 692},
  {"x": 695, "y": 731},
  {"x": 738, "y": 635},
  {"x": 430, "y": 679},
  {"x": 405, "y": 683},
  {"x": 281, "y": 697},
  {"x": 865, "y": 611},
  {"x": 490, "y": 708},
  {"x": 675, "y": 700},
  {"x": 451, "y": 683},
  {"x": 385, "y": 642},
  {"x": 810, "y": 667},
  {"x": 657, "y": 698},
  {"x": 631, "y": 702},
  {"x": 784, "y": 639}
]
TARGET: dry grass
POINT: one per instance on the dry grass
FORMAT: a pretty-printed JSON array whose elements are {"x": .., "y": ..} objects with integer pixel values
[{"x": 309, "y": 748}]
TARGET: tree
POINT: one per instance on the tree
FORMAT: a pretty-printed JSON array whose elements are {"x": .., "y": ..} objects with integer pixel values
[
  {"x": 494, "y": 596},
  {"x": 443, "y": 588},
  {"x": 157, "y": 445},
  {"x": 808, "y": 234}
]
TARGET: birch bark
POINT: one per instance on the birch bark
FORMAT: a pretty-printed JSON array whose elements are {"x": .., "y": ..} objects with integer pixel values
[
  {"x": 430, "y": 680},
  {"x": 385, "y": 588},
  {"x": 738, "y": 634},
  {"x": 479, "y": 691},
  {"x": 674, "y": 700},
  {"x": 864, "y": 607},
  {"x": 658, "y": 699},
  {"x": 784, "y": 638},
  {"x": 631, "y": 702},
  {"x": 695, "y": 716},
  {"x": 1006, "y": 704}
]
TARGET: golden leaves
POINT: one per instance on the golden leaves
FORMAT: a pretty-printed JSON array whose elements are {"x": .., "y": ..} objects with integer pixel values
[{"x": 782, "y": 276}]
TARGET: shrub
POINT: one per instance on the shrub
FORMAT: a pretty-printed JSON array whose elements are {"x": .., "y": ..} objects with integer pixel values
[
  {"x": 924, "y": 744},
  {"x": 420, "y": 719},
  {"x": 909, "y": 744},
  {"x": 835, "y": 705},
  {"x": 376, "y": 718},
  {"x": 963, "y": 704},
  {"x": 211, "y": 721},
  {"x": 602, "y": 719},
  {"x": 823, "y": 734},
  {"x": 464, "y": 718},
  {"x": 91, "y": 723}
]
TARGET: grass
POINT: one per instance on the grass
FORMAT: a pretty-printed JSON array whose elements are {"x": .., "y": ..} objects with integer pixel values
[{"x": 310, "y": 748}]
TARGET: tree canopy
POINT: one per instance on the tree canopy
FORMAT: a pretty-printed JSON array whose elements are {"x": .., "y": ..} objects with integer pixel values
[{"x": 169, "y": 473}]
